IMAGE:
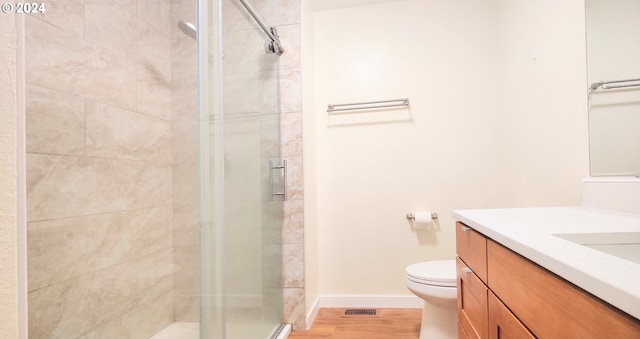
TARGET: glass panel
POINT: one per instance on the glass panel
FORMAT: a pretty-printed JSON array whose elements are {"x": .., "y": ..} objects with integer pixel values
[
  {"x": 242, "y": 250},
  {"x": 211, "y": 161}
]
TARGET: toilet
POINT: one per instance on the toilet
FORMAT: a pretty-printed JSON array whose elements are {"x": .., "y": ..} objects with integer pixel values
[{"x": 435, "y": 283}]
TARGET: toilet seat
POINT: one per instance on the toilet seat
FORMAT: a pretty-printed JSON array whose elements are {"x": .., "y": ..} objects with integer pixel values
[
  {"x": 436, "y": 273},
  {"x": 435, "y": 283}
]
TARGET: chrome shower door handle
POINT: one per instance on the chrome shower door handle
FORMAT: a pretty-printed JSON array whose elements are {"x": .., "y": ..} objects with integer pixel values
[{"x": 283, "y": 191}]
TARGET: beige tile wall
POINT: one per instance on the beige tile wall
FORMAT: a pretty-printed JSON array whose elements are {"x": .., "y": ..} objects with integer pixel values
[
  {"x": 285, "y": 16},
  {"x": 112, "y": 133},
  {"x": 100, "y": 169},
  {"x": 186, "y": 227}
]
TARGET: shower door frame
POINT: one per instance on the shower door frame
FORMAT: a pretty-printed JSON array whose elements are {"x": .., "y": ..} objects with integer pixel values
[{"x": 214, "y": 278}]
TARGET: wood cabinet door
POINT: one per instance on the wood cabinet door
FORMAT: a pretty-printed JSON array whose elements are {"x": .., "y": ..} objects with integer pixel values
[
  {"x": 550, "y": 306},
  {"x": 472, "y": 302},
  {"x": 461, "y": 333},
  {"x": 471, "y": 247},
  {"x": 503, "y": 324}
]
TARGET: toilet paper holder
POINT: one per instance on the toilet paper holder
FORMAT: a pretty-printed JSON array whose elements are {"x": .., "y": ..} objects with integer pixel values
[{"x": 410, "y": 216}]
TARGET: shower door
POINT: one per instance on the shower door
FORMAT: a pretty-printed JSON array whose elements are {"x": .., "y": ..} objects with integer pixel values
[{"x": 242, "y": 176}]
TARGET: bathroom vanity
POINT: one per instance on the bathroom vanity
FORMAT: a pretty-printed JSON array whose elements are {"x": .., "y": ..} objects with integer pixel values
[{"x": 563, "y": 272}]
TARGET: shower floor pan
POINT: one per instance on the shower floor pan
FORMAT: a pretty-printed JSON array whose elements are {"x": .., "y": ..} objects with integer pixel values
[{"x": 191, "y": 330}]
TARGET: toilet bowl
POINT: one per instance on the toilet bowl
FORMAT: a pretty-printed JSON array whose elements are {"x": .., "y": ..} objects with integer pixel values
[{"x": 435, "y": 283}]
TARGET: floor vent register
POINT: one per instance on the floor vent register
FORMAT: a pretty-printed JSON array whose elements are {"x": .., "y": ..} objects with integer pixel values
[{"x": 360, "y": 311}]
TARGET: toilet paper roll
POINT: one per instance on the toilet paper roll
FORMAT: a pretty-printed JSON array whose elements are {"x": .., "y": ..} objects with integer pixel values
[{"x": 422, "y": 220}]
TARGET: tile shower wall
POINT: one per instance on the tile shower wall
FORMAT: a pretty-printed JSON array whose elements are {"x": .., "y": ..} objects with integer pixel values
[
  {"x": 186, "y": 227},
  {"x": 285, "y": 15},
  {"x": 112, "y": 120},
  {"x": 100, "y": 163}
]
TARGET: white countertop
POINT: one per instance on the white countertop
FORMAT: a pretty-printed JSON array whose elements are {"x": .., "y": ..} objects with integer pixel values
[{"x": 530, "y": 232}]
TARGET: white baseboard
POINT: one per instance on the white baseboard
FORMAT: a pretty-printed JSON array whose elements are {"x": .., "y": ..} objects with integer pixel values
[
  {"x": 313, "y": 312},
  {"x": 365, "y": 301},
  {"x": 371, "y": 301}
]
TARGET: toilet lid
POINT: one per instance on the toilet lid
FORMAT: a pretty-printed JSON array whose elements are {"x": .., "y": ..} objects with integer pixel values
[{"x": 438, "y": 272}]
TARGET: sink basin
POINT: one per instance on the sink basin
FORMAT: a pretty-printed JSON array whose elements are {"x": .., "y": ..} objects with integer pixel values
[{"x": 624, "y": 245}]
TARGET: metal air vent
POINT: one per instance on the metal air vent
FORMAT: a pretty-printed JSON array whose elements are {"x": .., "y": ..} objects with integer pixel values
[{"x": 360, "y": 311}]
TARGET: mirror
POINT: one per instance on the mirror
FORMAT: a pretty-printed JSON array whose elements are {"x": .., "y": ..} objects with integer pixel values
[{"x": 613, "y": 59}]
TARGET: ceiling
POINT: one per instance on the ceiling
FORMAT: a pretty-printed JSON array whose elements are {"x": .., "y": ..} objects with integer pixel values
[{"x": 319, "y": 5}]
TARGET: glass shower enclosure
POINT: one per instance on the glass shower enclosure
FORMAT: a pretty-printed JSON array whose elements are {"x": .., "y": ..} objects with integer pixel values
[
  {"x": 242, "y": 178},
  {"x": 146, "y": 214}
]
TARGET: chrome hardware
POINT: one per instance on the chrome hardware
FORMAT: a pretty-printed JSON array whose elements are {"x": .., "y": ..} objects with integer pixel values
[
  {"x": 410, "y": 216},
  {"x": 368, "y": 105},
  {"x": 465, "y": 228},
  {"x": 274, "y": 46},
  {"x": 614, "y": 84},
  {"x": 283, "y": 167},
  {"x": 466, "y": 270}
]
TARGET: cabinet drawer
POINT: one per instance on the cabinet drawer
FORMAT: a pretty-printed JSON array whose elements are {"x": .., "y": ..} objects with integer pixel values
[
  {"x": 550, "y": 306},
  {"x": 502, "y": 323},
  {"x": 471, "y": 247},
  {"x": 472, "y": 302}
]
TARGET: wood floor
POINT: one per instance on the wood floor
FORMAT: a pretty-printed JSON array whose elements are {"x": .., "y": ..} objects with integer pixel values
[{"x": 331, "y": 323}]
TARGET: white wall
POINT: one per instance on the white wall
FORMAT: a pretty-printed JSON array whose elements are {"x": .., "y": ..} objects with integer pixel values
[
  {"x": 498, "y": 119},
  {"x": 310, "y": 165},
  {"x": 8, "y": 193},
  {"x": 374, "y": 167}
]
